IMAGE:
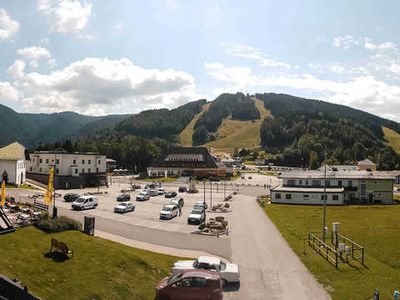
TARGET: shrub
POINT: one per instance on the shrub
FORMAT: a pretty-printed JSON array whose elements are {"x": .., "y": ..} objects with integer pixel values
[{"x": 58, "y": 224}]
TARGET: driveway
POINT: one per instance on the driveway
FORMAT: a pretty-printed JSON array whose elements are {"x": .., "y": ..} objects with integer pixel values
[{"x": 269, "y": 267}]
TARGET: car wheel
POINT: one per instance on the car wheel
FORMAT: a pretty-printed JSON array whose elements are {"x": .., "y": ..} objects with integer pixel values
[
  {"x": 81, "y": 207},
  {"x": 224, "y": 282}
]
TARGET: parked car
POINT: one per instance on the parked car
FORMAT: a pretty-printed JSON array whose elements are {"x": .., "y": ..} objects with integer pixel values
[
  {"x": 136, "y": 187},
  {"x": 124, "y": 207},
  {"x": 182, "y": 189},
  {"x": 71, "y": 197},
  {"x": 171, "y": 194},
  {"x": 229, "y": 273},
  {"x": 161, "y": 191},
  {"x": 153, "y": 192},
  {"x": 200, "y": 205},
  {"x": 124, "y": 197},
  {"x": 142, "y": 196},
  {"x": 169, "y": 211},
  {"x": 85, "y": 202},
  {"x": 190, "y": 284},
  {"x": 197, "y": 216},
  {"x": 177, "y": 201}
]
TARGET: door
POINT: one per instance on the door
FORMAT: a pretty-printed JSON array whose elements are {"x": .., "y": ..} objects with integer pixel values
[{"x": 190, "y": 288}]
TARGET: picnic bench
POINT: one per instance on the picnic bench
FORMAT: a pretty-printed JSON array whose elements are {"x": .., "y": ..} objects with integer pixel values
[{"x": 62, "y": 247}]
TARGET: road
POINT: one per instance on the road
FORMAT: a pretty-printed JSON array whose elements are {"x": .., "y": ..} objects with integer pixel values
[{"x": 269, "y": 267}]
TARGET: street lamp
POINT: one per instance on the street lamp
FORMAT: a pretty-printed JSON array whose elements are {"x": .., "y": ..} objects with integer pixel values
[{"x": 324, "y": 203}]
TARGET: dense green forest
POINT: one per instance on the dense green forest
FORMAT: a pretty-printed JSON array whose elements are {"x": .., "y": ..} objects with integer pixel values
[
  {"x": 301, "y": 129},
  {"x": 161, "y": 123},
  {"x": 233, "y": 106}
]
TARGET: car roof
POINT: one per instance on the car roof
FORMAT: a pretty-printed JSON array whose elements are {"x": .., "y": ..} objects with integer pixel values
[
  {"x": 199, "y": 203},
  {"x": 170, "y": 205},
  {"x": 87, "y": 197},
  {"x": 211, "y": 260},
  {"x": 200, "y": 273}
]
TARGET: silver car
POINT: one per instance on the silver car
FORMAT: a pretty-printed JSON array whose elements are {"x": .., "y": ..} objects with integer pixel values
[{"x": 124, "y": 207}]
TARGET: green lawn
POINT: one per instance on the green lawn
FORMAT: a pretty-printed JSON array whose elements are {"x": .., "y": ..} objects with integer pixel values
[
  {"x": 22, "y": 186},
  {"x": 160, "y": 179},
  {"x": 100, "y": 269},
  {"x": 377, "y": 228}
]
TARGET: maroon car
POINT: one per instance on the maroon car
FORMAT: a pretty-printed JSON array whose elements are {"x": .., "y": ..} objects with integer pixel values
[{"x": 190, "y": 285}]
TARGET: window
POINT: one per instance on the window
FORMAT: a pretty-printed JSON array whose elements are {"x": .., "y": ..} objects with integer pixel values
[
  {"x": 74, "y": 162},
  {"x": 339, "y": 183},
  {"x": 83, "y": 161},
  {"x": 316, "y": 183},
  {"x": 89, "y": 161},
  {"x": 47, "y": 161},
  {"x": 30, "y": 169},
  {"x": 40, "y": 169},
  {"x": 83, "y": 171},
  {"x": 300, "y": 182},
  {"x": 198, "y": 282},
  {"x": 97, "y": 170},
  {"x": 277, "y": 196},
  {"x": 76, "y": 171},
  {"x": 99, "y": 161},
  {"x": 290, "y": 182},
  {"x": 350, "y": 183},
  {"x": 57, "y": 171},
  {"x": 335, "y": 197},
  {"x": 33, "y": 160},
  {"x": 88, "y": 170},
  {"x": 305, "y": 196},
  {"x": 57, "y": 161},
  {"x": 288, "y": 196},
  {"x": 327, "y": 183},
  {"x": 40, "y": 160},
  {"x": 306, "y": 182},
  {"x": 322, "y": 197}
]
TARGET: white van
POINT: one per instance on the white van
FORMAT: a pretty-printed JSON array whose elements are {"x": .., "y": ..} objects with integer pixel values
[{"x": 85, "y": 202}]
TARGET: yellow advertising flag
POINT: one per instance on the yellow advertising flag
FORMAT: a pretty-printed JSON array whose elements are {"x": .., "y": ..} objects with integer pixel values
[
  {"x": 49, "y": 193},
  {"x": 3, "y": 193}
]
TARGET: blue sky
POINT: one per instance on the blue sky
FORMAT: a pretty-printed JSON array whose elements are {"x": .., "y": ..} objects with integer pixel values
[{"x": 101, "y": 57}]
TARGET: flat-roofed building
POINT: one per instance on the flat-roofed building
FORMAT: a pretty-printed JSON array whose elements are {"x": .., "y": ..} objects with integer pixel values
[
  {"x": 72, "y": 170},
  {"x": 187, "y": 161},
  {"x": 342, "y": 187}
]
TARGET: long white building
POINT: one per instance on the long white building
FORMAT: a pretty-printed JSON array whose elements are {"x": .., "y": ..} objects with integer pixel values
[
  {"x": 72, "y": 170},
  {"x": 342, "y": 187}
]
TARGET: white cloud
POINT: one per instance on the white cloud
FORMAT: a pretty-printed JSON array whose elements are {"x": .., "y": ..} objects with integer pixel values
[
  {"x": 395, "y": 68},
  {"x": 66, "y": 16},
  {"x": 249, "y": 52},
  {"x": 97, "y": 86},
  {"x": 16, "y": 70},
  {"x": 36, "y": 54},
  {"x": 364, "y": 92},
  {"x": 8, "y": 26},
  {"x": 368, "y": 44},
  {"x": 346, "y": 42},
  {"x": 8, "y": 92}
]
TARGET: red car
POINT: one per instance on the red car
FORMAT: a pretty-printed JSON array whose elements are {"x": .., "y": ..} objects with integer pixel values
[{"x": 190, "y": 285}]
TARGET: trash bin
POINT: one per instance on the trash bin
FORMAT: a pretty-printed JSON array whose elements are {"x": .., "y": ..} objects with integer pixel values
[{"x": 88, "y": 226}]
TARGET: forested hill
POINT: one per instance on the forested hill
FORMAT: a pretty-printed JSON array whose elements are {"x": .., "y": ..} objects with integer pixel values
[
  {"x": 300, "y": 129},
  {"x": 33, "y": 129}
]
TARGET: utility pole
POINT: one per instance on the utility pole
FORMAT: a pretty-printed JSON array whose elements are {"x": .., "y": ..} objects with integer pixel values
[
  {"x": 224, "y": 189},
  {"x": 204, "y": 199},
  {"x": 324, "y": 203},
  {"x": 210, "y": 194}
]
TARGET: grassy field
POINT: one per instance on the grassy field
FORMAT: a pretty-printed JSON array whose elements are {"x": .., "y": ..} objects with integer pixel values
[
  {"x": 240, "y": 134},
  {"x": 160, "y": 179},
  {"x": 185, "y": 137},
  {"x": 393, "y": 138},
  {"x": 22, "y": 186},
  {"x": 377, "y": 228},
  {"x": 100, "y": 269}
]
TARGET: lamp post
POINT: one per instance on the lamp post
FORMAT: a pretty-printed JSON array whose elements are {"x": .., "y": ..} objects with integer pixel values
[
  {"x": 54, "y": 186},
  {"x": 204, "y": 199},
  {"x": 210, "y": 194},
  {"x": 324, "y": 203}
]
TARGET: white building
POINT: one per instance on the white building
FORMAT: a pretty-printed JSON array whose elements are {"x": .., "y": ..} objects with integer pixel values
[
  {"x": 12, "y": 163},
  {"x": 72, "y": 170},
  {"x": 342, "y": 187}
]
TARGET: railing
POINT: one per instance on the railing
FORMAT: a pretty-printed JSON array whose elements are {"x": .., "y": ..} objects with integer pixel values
[{"x": 326, "y": 251}]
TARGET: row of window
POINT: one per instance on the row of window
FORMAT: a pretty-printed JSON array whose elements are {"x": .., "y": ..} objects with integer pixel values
[
  {"x": 89, "y": 161},
  {"x": 292, "y": 182},
  {"x": 305, "y": 196},
  {"x": 76, "y": 170}
]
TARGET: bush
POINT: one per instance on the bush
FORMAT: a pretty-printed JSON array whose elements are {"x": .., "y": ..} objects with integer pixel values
[{"x": 58, "y": 224}]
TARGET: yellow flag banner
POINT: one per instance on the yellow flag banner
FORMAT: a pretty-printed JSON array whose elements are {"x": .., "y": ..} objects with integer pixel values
[
  {"x": 49, "y": 193},
  {"x": 3, "y": 193}
]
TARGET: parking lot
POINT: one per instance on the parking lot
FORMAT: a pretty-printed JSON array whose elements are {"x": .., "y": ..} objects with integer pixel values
[{"x": 147, "y": 212}]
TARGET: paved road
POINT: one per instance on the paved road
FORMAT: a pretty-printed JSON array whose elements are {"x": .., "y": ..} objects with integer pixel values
[{"x": 269, "y": 267}]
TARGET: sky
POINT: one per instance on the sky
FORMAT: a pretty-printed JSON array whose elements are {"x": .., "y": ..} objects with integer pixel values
[{"x": 110, "y": 57}]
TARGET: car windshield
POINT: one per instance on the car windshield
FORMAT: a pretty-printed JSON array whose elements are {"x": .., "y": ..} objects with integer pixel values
[
  {"x": 142, "y": 194},
  {"x": 222, "y": 265},
  {"x": 123, "y": 204},
  {"x": 80, "y": 200},
  {"x": 174, "y": 278},
  {"x": 167, "y": 208},
  {"x": 196, "y": 212},
  {"x": 199, "y": 205}
]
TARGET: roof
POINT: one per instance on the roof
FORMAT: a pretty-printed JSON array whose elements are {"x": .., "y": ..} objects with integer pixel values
[
  {"x": 211, "y": 260},
  {"x": 316, "y": 174},
  {"x": 306, "y": 189},
  {"x": 200, "y": 273},
  {"x": 187, "y": 157},
  {"x": 365, "y": 162},
  {"x": 14, "y": 151}
]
